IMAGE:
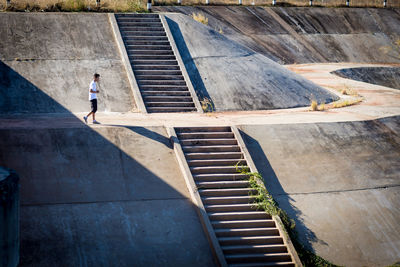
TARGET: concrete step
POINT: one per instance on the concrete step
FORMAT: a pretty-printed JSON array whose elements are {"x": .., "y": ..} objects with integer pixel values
[
  {"x": 145, "y": 38},
  {"x": 159, "y": 77},
  {"x": 215, "y": 155},
  {"x": 133, "y": 28},
  {"x": 231, "y": 207},
  {"x": 170, "y": 109},
  {"x": 151, "y": 57},
  {"x": 150, "y": 52},
  {"x": 137, "y": 20},
  {"x": 226, "y": 192},
  {"x": 259, "y": 240},
  {"x": 215, "y": 162},
  {"x": 166, "y": 93},
  {"x": 203, "y": 129},
  {"x": 169, "y": 104},
  {"x": 155, "y": 67},
  {"x": 267, "y": 231},
  {"x": 208, "y": 142},
  {"x": 142, "y": 33},
  {"x": 223, "y": 184},
  {"x": 259, "y": 257},
  {"x": 244, "y": 215},
  {"x": 206, "y": 135},
  {"x": 162, "y": 43},
  {"x": 139, "y": 23},
  {"x": 161, "y": 82},
  {"x": 228, "y": 200},
  {"x": 231, "y": 148},
  {"x": 145, "y": 48},
  {"x": 243, "y": 223},
  {"x": 264, "y": 264},
  {"x": 249, "y": 249},
  {"x": 136, "y": 15},
  {"x": 157, "y": 72},
  {"x": 144, "y": 88},
  {"x": 157, "y": 62},
  {"x": 167, "y": 98},
  {"x": 213, "y": 169},
  {"x": 219, "y": 177}
]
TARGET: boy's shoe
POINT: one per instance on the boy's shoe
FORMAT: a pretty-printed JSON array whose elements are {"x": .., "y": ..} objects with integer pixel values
[
  {"x": 85, "y": 118},
  {"x": 96, "y": 122}
]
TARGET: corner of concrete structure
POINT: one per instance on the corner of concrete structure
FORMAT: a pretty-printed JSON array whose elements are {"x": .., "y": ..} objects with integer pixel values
[
  {"x": 196, "y": 199},
  {"x": 181, "y": 64},
  {"x": 126, "y": 62}
]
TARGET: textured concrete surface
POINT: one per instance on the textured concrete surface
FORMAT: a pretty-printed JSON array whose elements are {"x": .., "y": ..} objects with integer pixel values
[
  {"x": 235, "y": 77},
  {"x": 308, "y": 35},
  {"x": 56, "y": 55},
  {"x": 389, "y": 77},
  {"x": 339, "y": 181},
  {"x": 102, "y": 197},
  {"x": 9, "y": 218}
]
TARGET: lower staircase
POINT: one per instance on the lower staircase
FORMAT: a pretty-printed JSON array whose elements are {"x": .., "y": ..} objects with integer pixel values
[{"x": 247, "y": 236}]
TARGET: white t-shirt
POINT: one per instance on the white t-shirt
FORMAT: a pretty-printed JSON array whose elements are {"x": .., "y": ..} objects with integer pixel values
[{"x": 93, "y": 87}]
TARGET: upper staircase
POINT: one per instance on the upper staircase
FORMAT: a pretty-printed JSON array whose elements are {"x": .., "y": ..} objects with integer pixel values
[{"x": 156, "y": 69}]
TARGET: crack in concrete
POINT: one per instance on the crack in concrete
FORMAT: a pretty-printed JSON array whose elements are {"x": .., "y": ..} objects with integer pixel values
[{"x": 340, "y": 191}]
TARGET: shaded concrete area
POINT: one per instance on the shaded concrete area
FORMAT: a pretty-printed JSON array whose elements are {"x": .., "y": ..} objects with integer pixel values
[
  {"x": 339, "y": 181},
  {"x": 384, "y": 76},
  {"x": 235, "y": 77},
  {"x": 58, "y": 54},
  {"x": 102, "y": 197},
  {"x": 291, "y": 35}
]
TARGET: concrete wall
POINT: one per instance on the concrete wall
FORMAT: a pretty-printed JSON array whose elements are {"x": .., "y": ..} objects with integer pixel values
[
  {"x": 106, "y": 196},
  {"x": 57, "y": 54},
  {"x": 389, "y": 77},
  {"x": 9, "y": 218},
  {"x": 235, "y": 77},
  {"x": 307, "y": 35},
  {"x": 339, "y": 181}
]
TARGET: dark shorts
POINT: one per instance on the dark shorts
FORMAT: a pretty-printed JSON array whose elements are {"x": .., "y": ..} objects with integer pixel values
[{"x": 94, "y": 105}]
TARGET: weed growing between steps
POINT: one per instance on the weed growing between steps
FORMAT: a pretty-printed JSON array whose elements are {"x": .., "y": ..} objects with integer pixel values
[
  {"x": 207, "y": 105},
  {"x": 266, "y": 202}
]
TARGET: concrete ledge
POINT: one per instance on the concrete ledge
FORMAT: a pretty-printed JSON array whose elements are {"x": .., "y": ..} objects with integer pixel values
[
  {"x": 125, "y": 60},
  {"x": 286, "y": 240},
  {"x": 191, "y": 185},
  {"x": 181, "y": 64}
]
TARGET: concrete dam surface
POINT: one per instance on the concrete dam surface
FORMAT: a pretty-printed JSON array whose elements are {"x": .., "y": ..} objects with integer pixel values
[
  {"x": 384, "y": 76},
  {"x": 48, "y": 60},
  {"x": 308, "y": 35},
  {"x": 339, "y": 181},
  {"x": 102, "y": 198},
  {"x": 235, "y": 77}
]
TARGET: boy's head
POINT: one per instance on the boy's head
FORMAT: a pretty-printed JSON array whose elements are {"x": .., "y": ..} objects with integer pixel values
[{"x": 96, "y": 77}]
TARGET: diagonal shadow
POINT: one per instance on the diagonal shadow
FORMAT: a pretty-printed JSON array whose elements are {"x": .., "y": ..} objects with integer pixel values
[
  {"x": 284, "y": 200},
  {"x": 190, "y": 66},
  {"x": 95, "y": 196}
]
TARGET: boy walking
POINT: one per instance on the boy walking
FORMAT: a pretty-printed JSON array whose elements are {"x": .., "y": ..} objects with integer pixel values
[{"x": 93, "y": 91}]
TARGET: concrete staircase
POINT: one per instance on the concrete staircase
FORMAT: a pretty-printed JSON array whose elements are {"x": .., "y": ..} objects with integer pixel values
[
  {"x": 156, "y": 69},
  {"x": 247, "y": 236}
]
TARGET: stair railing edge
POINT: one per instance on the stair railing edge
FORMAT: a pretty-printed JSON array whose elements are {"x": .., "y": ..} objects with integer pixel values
[
  {"x": 196, "y": 199},
  {"x": 181, "y": 64},
  {"x": 276, "y": 218},
  {"x": 127, "y": 64}
]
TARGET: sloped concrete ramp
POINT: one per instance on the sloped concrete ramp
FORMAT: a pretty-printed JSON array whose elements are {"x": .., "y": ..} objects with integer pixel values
[
  {"x": 104, "y": 196},
  {"x": 235, "y": 77},
  {"x": 339, "y": 181}
]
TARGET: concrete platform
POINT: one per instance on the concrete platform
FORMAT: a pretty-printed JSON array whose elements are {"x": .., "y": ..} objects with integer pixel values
[
  {"x": 339, "y": 181},
  {"x": 48, "y": 58}
]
